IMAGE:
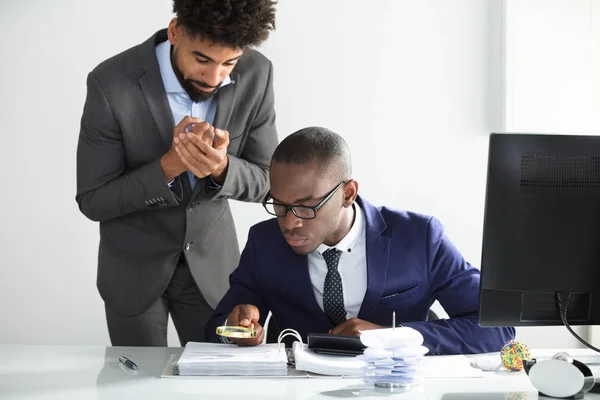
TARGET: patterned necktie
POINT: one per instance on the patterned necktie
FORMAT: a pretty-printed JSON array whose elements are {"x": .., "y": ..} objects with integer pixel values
[{"x": 333, "y": 295}]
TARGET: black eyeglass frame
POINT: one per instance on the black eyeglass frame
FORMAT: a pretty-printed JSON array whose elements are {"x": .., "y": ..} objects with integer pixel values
[{"x": 314, "y": 209}]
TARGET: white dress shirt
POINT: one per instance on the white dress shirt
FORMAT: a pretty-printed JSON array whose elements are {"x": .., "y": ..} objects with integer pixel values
[{"x": 352, "y": 266}]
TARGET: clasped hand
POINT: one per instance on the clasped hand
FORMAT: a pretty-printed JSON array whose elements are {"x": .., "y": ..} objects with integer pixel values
[{"x": 202, "y": 149}]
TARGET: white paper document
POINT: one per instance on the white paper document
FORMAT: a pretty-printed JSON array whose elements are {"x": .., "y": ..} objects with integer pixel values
[{"x": 231, "y": 359}]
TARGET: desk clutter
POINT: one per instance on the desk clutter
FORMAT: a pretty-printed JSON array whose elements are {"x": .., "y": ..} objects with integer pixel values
[{"x": 391, "y": 358}]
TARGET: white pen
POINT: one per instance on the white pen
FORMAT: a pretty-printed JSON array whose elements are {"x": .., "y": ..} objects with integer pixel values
[{"x": 393, "y": 320}]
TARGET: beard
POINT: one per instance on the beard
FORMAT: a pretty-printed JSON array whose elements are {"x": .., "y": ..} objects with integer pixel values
[{"x": 188, "y": 84}]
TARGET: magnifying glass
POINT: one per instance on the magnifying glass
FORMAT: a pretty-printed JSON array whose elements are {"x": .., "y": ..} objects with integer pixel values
[{"x": 239, "y": 332}]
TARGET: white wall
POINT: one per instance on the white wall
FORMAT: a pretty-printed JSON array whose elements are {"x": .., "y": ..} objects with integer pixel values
[
  {"x": 414, "y": 86},
  {"x": 552, "y": 86},
  {"x": 553, "y": 75}
]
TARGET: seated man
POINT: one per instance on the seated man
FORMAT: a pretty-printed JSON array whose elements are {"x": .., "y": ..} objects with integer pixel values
[{"x": 333, "y": 262}]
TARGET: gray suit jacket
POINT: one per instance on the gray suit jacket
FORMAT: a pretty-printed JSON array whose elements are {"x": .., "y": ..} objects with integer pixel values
[{"x": 127, "y": 125}]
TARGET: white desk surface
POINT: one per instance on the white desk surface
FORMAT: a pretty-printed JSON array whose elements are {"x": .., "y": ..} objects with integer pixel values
[{"x": 90, "y": 372}]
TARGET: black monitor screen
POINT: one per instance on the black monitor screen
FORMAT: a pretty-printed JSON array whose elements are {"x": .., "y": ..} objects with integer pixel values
[{"x": 541, "y": 234}]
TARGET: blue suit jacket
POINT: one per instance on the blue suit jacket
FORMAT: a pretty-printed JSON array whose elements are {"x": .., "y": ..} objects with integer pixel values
[{"x": 410, "y": 264}]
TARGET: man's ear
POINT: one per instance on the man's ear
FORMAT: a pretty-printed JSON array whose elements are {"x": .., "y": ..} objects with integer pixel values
[
  {"x": 350, "y": 192},
  {"x": 173, "y": 31}
]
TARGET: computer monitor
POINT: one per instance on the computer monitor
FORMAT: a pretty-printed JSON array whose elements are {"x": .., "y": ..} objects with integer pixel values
[{"x": 541, "y": 233}]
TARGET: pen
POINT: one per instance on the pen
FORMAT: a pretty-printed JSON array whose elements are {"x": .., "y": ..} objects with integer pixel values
[{"x": 127, "y": 362}]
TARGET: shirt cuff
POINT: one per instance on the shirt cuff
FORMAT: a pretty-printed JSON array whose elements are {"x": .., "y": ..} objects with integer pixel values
[{"x": 211, "y": 186}]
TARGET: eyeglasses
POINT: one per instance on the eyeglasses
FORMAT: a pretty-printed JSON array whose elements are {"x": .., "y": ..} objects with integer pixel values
[{"x": 303, "y": 212}]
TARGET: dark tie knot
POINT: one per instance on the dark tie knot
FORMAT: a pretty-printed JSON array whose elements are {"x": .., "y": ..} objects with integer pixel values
[{"x": 332, "y": 257}]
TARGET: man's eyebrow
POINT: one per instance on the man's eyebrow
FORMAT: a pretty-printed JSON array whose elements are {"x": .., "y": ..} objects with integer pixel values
[
  {"x": 200, "y": 54},
  {"x": 305, "y": 198}
]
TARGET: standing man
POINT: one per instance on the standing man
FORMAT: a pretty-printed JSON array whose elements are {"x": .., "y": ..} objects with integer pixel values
[{"x": 171, "y": 129}]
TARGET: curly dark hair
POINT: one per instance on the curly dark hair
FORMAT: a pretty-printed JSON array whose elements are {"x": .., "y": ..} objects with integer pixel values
[{"x": 234, "y": 23}]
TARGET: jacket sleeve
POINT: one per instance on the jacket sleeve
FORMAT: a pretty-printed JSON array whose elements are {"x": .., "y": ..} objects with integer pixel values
[
  {"x": 455, "y": 284},
  {"x": 106, "y": 189},
  {"x": 243, "y": 289}
]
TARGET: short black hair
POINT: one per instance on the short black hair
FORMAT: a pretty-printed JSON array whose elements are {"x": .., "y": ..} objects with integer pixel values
[
  {"x": 316, "y": 144},
  {"x": 234, "y": 23}
]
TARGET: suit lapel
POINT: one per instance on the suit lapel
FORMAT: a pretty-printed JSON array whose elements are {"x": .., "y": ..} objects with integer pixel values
[
  {"x": 377, "y": 249},
  {"x": 226, "y": 103},
  {"x": 304, "y": 290},
  {"x": 153, "y": 87},
  {"x": 157, "y": 100}
]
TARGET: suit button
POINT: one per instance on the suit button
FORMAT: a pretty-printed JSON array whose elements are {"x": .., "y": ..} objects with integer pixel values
[{"x": 188, "y": 246}]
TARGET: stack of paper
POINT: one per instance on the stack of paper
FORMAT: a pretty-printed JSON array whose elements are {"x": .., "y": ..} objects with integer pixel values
[
  {"x": 393, "y": 357},
  {"x": 230, "y": 359}
]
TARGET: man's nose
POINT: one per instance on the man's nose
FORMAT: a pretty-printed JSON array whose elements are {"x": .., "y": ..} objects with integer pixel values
[
  {"x": 212, "y": 76},
  {"x": 289, "y": 221}
]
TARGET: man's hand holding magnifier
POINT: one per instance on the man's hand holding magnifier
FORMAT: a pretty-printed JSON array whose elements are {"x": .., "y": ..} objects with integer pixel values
[{"x": 245, "y": 316}]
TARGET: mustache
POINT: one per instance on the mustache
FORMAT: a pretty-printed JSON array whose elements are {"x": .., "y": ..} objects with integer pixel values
[
  {"x": 293, "y": 235},
  {"x": 204, "y": 84}
]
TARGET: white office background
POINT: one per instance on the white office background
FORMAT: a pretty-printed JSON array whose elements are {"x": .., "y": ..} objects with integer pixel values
[{"x": 414, "y": 86}]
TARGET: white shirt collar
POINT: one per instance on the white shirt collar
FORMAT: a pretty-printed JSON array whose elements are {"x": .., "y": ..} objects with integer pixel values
[
  {"x": 352, "y": 237},
  {"x": 172, "y": 85}
]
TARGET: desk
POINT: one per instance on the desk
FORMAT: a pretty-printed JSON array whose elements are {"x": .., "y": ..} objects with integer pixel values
[{"x": 88, "y": 372}]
